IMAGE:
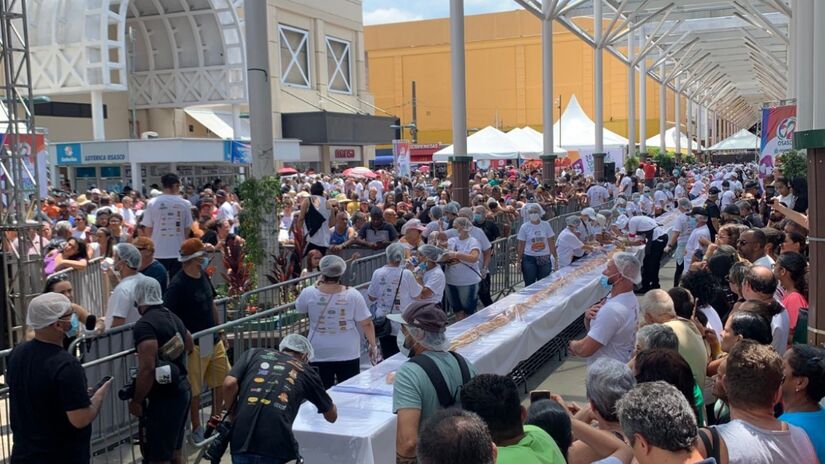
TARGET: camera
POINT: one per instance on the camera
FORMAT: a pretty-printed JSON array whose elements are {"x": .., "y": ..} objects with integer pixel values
[{"x": 127, "y": 391}]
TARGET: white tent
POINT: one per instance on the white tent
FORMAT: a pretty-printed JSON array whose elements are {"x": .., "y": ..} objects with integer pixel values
[
  {"x": 576, "y": 129},
  {"x": 487, "y": 144},
  {"x": 530, "y": 143},
  {"x": 670, "y": 141},
  {"x": 742, "y": 140}
]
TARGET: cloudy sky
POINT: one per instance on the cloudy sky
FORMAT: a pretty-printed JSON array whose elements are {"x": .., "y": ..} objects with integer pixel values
[{"x": 393, "y": 11}]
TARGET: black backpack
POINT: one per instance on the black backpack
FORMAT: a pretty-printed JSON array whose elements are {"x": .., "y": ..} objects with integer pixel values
[{"x": 445, "y": 398}]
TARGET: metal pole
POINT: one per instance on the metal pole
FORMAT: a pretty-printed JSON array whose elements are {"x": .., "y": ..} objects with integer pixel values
[
  {"x": 689, "y": 113},
  {"x": 598, "y": 110},
  {"x": 793, "y": 47},
  {"x": 549, "y": 156},
  {"x": 414, "y": 123},
  {"x": 818, "y": 100},
  {"x": 260, "y": 91},
  {"x": 460, "y": 160},
  {"x": 642, "y": 100},
  {"x": 631, "y": 96},
  {"x": 662, "y": 110},
  {"x": 677, "y": 118}
]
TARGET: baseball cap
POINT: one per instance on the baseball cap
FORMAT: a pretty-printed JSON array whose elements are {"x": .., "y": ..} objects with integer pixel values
[
  {"x": 731, "y": 209},
  {"x": 220, "y": 193},
  {"x": 423, "y": 315},
  {"x": 412, "y": 224},
  {"x": 713, "y": 191},
  {"x": 190, "y": 249}
]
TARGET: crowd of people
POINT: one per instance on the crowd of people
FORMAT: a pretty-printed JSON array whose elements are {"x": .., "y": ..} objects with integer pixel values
[{"x": 704, "y": 372}]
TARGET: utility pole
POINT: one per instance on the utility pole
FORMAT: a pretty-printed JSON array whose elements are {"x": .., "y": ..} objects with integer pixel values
[{"x": 414, "y": 128}]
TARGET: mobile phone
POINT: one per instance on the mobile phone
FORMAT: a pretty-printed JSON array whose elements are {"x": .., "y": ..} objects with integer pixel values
[
  {"x": 537, "y": 395},
  {"x": 99, "y": 384}
]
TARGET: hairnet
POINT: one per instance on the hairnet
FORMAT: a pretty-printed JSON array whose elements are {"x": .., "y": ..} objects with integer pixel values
[
  {"x": 297, "y": 343},
  {"x": 435, "y": 341},
  {"x": 147, "y": 292},
  {"x": 685, "y": 203},
  {"x": 607, "y": 213},
  {"x": 45, "y": 309},
  {"x": 466, "y": 212},
  {"x": 601, "y": 220},
  {"x": 332, "y": 266},
  {"x": 396, "y": 252},
  {"x": 525, "y": 210},
  {"x": 451, "y": 208},
  {"x": 629, "y": 267},
  {"x": 462, "y": 223},
  {"x": 572, "y": 220},
  {"x": 430, "y": 252},
  {"x": 129, "y": 254},
  {"x": 436, "y": 212}
]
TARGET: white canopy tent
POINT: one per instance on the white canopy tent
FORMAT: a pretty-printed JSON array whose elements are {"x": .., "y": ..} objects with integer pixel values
[
  {"x": 670, "y": 141},
  {"x": 487, "y": 144},
  {"x": 530, "y": 143},
  {"x": 740, "y": 141},
  {"x": 575, "y": 129}
]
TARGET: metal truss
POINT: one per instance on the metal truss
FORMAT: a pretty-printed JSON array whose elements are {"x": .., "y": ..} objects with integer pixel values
[{"x": 19, "y": 175}]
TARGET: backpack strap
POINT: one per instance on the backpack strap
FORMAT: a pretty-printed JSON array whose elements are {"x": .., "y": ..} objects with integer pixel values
[
  {"x": 712, "y": 445},
  {"x": 445, "y": 398},
  {"x": 462, "y": 365}
]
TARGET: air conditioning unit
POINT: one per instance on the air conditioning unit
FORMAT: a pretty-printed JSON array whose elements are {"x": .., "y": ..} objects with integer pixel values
[{"x": 148, "y": 135}]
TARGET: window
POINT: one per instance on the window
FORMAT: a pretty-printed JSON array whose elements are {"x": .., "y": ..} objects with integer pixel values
[
  {"x": 339, "y": 65},
  {"x": 66, "y": 110},
  {"x": 294, "y": 56}
]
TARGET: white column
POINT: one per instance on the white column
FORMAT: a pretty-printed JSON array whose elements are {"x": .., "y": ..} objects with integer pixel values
[
  {"x": 662, "y": 110},
  {"x": 458, "y": 83},
  {"x": 713, "y": 130},
  {"x": 689, "y": 112},
  {"x": 819, "y": 66},
  {"x": 260, "y": 90},
  {"x": 631, "y": 95},
  {"x": 236, "y": 121},
  {"x": 642, "y": 98},
  {"x": 98, "y": 126},
  {"x": 792, "y": 49},
  {"x": 137, "y": 179},
  {"x": 547, "y": 76},
  {"x": 804, "y": 65},
  {"x": 598, "y": 110},
  {"x": 677, "y": 110}
]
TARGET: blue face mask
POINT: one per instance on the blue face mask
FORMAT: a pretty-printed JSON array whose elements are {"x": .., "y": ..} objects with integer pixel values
[
  {"x": 75, "y": 325},
  {"x": 204, "y": 263},
  {"x": 604, "y": 281},
  {"x": 477, "y": 218},
  {"x": 692, "y": 223}
]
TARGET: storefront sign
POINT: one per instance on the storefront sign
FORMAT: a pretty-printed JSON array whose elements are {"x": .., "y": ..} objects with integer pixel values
[
  {"x": 344, "y": 154},
  {"x": 237, "y": 152},
  {"x": 68, "y": 153},
  {"x": 99, "y": 153}
]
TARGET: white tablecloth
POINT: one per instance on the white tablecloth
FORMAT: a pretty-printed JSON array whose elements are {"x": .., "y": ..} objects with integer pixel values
[{"x": 365, "y": 431}]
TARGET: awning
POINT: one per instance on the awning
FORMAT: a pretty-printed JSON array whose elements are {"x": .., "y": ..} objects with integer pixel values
[
  {"x": 383, "y": 160},
  {"x": 219, "y": 122}
]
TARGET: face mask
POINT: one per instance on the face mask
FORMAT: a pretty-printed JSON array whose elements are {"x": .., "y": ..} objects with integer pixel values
[
  {"x": 477, "y": 218},
  {"x": 401, "y": 341},
  {"x": 692, "y": 222},
  {"x": 604, "y": 281},
  {"x": 75, "y": 325},
  {"x": 423, "y": 266},
  {"x": 534, "y": 217},
  {"x": 204, "y": 263}
]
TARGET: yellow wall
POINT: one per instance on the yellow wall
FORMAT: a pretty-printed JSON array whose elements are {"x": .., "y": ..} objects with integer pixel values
[{"x": 503, "y": 69}]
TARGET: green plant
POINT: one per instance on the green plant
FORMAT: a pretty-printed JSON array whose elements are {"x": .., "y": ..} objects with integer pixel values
[
  {"x": 665, "y": 161},
  {"x": 688, "y": 159},
  {"x": 261, "y": 201},
  {"x": 793, "y": 163},
  {"x": 631, "y": 163}
]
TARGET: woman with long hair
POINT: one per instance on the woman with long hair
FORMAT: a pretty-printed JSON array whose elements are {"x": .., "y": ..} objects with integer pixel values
[
  {"x": 791, "y": 270},
  {"x": 73, "y": 256},
  {"x": 802, "y": 391},
  {"x": 104, "y": 244}
]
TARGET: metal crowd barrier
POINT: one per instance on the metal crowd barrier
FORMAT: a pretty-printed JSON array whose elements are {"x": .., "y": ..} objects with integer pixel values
[{"x": 89, "y": 286}]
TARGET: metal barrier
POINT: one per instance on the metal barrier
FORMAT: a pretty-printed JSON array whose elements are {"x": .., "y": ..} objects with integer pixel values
[{"x": 89, "y": 286}]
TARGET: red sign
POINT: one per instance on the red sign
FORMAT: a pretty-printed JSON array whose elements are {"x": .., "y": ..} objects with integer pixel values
[{"x": 344, "y": 153}]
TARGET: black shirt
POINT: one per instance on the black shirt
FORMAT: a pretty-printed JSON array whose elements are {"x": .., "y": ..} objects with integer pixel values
[
  {"x": 157, "y": 272},
  {"x": 44, "y": 383},
  {"x": 158, "y": 323},
  {"x": 490, "y": 229},
  {"x": 191, "y": 300},
  {"x": 272, "y": 386},
  {"x": 713, "y": 212}
]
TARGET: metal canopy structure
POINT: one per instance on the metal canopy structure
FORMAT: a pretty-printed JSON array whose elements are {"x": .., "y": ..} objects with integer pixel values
[
  {"x": 729, "y": 56},
  {"x": 171, "y": 53}
]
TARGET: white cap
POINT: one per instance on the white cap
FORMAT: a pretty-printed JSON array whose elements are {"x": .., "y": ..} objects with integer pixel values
[
  {"x": 47, "y": 308},
  {"x": 297, "y": 343},
  {"x": 412, "y": 224},
  {"x": 589, "y": 212}
]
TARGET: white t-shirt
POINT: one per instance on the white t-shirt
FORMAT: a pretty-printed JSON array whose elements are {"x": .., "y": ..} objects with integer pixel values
[
  {"x": 780, "y": 329},
  {"x": 432, "y": 226},
  {"x": 122, "y": 302},
  {"x": 170, "y": 217},
  {"x": 479, "y": 235},
  {"x": 615, "y": 328},
  {"x": 321, "y": 237},
  {"x": 728, "y": 197},
  {"x": 463, "y": 273},
  {"x": 638, "y": 224},
  {"x": 379, "y": 186},
  {"x": 660, "y": 198},
  {"x": 789, "y": 200},
  {"x": 567, "y": 246},
  {"x": 646, "y": 205},
  {"x": 333, "y": 322},
  {"x": 626, "y": 185},
  {"x": 766, "y": 261},
  {"x": 535, "y": 237},
  {"x": 597, "y": 195},
  {"x": 697, "y": 189},
  {"x": 436, "y": 281},
  {"x": 226, "y": 211},
  {"x": 693, "y": 241},
  {"x": 129, "y": 216},
  {"x": 640, "y": 173},
  {"x": 679, "y": 192},
  {"x": 383, "y": 287},
  {"x": 714, "y": 322}
]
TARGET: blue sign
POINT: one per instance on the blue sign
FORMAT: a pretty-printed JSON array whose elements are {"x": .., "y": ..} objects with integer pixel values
[
  {"x": 69, "y": 153},
  {"x": 237, "y": 152}
]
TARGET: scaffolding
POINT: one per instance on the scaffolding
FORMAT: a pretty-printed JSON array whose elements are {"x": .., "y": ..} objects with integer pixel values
[{"x": 21, "y": 263}]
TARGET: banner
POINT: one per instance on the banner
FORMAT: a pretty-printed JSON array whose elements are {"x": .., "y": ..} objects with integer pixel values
[
  {"x": 581, "y": 158},
  {"x": 237, "y": 152},
  {"x": 401, "y": 156},
  {"x": 33, "y": 151},
  {"x": 778, "y": 125}
]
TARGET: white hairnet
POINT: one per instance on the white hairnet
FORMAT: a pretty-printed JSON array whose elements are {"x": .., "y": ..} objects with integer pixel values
[
  {"x": 129, "y": 254},
  {"x": 525, "y": 210},
  {"x": 430, "y": 252},
  {"x": 435, "y": 341},
  {"x": 332, "y": 266},
  {"x": 297, "y": 343},
  {"x": 601, "y": 220},
  {"x": 451, "y": 208},
  {"x": 396, "y": 252},
  {"x": 462, "y": 223},
  {"x": 572, "y": 220},
  {"x": 466, "y": 212},
  {"x": 147, "y": 291},
  {"x": 47, "y": 308},
  {"x": 436, "y": 212},
  {"x": 629, "y": 267}
]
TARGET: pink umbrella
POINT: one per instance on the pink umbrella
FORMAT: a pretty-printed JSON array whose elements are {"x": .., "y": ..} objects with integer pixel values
[
  {"x": 424, "y": 168},
  {"x": 360, "y": 172}
]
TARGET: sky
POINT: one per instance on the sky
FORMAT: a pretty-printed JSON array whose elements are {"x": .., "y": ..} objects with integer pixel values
[{"x": 393, "y": 11}]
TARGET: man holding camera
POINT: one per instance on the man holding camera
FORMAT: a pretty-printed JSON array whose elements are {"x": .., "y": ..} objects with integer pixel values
[{"x": 160, "y": 394}]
